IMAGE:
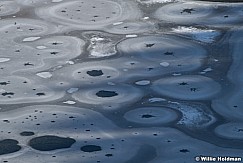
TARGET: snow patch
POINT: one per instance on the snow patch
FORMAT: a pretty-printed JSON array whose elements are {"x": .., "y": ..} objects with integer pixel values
[{"x": 203, "y": 35}]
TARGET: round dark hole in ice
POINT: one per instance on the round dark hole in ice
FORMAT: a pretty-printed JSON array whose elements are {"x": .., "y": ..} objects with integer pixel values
[
  {"x": 95, "y": 73},
  {"x": 90, "y": 148},
  {"x": 9, "y": 146},
  {"x": 48, "y": 143},
  {"x": 27, "y": 133},
  {"x": 104, "y": 93}
]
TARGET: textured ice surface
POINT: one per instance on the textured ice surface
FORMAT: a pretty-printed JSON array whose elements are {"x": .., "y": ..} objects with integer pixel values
[
  {"x": 120, "y": 80},
  {"x": 187, "y": 87},
  {"x": 89, "y": 14}
]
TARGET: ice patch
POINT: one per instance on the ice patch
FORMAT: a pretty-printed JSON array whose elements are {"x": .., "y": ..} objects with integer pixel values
[
  {"x": 70, "y": 62},
  {"x": 164, "y": 64},
  {"x": 44, "y": 75},
  {"x": 131, "y": 36},
  {"x": 72, "y": 90},
  {"x": 41, "y": 47},
  {"x": 156, "y": 99},
  {"x": 203, "y": 35},
  {"x": 4, "y": 60},
  {"x": 56, "y": 1},
  {"x": 118, "y": 23},
  {"x": 143, "y": 82},
  {"x": 29, "y": 39},
  {"x": 69, "y": 102},
  {"x": 156, "y": 1}
]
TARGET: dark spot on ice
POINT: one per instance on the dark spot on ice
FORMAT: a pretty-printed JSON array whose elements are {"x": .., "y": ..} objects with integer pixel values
[
  {"x": 147, "y": 116},
  {"x": 90, "y": 148},
  {"x": 40, "y": 94},
  {"x": 6, "y": 121},
  {"x": 188, "y": 10},
  {"x": 184, "y": 150},
  {"x": 56, "y": 43},
  {"x": 53, "y": 53},
  {"x": 8, "y": 146},
  {"x": 240, "y": 130},
  {"x": 4, "y": 83},
  {"x": 109, "y": 155},
  {"x": 149, "y": 45},
  {"x": 95, "y": 73},
  {"x": 49, "y": 143},
  {"x": 183, "y": 83},
  {"x": 8, "y": 94},
  {"x": 194, "y": 89},
  {"x": 27, "y": 133},
  {"x": 168, "y": 53},
  {"x": 104, "y": 93},
  {"x": 28, "y": 64}
]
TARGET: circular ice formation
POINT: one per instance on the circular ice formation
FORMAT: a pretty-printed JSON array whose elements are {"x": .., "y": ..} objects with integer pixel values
[
  {"x": 95, "y": 73},
  {"x": 108, "y": 95},
  {"x": 168, "y": 51},
  {"x": 230, "y": 130},
  {"x": 12, "y": 28},
  {"x": 187, "y": 87},
  {"x": 50, "y": 142},
  {"x": 184, "y": 12},
  {"x": 14, "y": 90},
  {"x": 57, "y": 127},
  {"x": 8, "y": 8},
  {"x": 151, "y": 115},
  {"x": 129, "y": 27},
  {"x": 88, "y": 14},
  {"x": 59, "y": 50}
]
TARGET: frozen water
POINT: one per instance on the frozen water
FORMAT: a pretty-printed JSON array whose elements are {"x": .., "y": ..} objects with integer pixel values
[{"x": 120, "y": 80}]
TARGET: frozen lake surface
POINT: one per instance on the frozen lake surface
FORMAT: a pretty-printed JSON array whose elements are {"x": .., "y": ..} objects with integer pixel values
[{"x": 121, "y": 81}]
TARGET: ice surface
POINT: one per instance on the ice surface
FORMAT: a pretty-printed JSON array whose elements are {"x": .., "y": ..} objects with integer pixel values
[{"x": 120, "y": 80}]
